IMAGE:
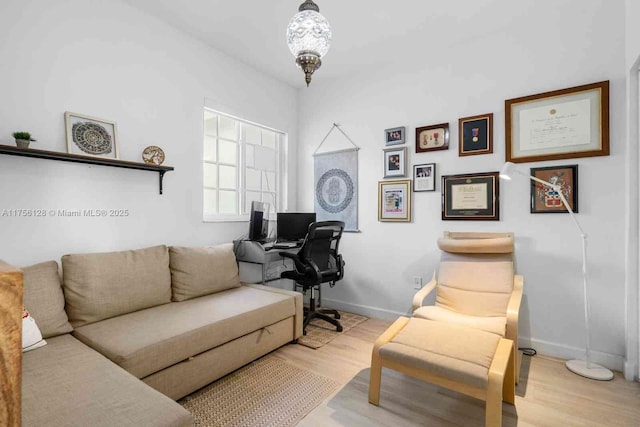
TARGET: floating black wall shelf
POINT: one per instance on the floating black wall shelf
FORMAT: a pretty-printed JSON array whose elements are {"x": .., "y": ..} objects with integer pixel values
[{"x": 65, "y": 157}]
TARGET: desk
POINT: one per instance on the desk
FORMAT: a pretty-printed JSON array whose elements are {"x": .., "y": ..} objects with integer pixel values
[{"x": 256, "y": 253}]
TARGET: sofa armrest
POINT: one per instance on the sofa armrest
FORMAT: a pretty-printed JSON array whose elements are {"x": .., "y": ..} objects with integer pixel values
[
  {"x": 422, "y": 293},
  {"x": 297, "y": 296}
]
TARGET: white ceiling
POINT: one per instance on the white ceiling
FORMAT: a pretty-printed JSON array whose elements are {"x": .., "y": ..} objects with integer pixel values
[{"x": 365, "y": 32}]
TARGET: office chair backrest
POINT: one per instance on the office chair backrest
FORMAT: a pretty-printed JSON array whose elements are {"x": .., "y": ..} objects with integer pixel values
[
  {"x": 321, "y": 246},
  {"x": 476, "y": 273}
]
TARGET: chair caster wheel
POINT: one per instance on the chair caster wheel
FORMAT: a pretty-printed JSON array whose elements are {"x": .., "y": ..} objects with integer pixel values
[
  {"x": 339, "y": 329},
  {"x": 337, "y": 316}
]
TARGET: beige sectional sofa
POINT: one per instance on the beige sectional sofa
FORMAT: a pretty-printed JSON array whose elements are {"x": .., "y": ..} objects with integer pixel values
[{"x": 129, "y": 332}]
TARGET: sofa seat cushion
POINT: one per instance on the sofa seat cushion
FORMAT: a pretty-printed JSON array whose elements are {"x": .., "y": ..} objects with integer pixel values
[
  {"x": 65, "y": 383},
  {"x": 150, "y": 340},
  {"x": 496, "y": 325}
]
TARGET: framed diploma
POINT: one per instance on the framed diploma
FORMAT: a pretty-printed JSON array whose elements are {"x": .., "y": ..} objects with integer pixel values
[
  {"x": 394, "y": 200},
  {"x": 545, "y": 199},
  {"x": 475, "y": 135},
  {"x": 424, "y": 177},
  {"x": 431, "y": 138},
  {"x": 471, "y": 197},
  {"x": 562, "y": 124}
]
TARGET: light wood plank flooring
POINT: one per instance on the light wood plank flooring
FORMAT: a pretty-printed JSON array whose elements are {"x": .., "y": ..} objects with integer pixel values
[{"x": 548, "y": 394}]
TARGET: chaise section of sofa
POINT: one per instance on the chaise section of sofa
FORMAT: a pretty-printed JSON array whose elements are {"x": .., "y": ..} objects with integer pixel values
[{"x": 66, "y": 383}]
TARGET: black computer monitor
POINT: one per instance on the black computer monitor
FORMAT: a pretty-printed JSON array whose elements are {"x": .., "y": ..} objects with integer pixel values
[
  {"x": 293, "y": 226},
  {"x": 259, "y": 221}
]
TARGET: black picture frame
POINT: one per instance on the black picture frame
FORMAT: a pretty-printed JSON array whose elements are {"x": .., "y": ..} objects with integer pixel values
[
  {"x": 544, "y": 199},
  {"x": 424, "y": 177},
  {"x": 475, "y": 135},
  {"x": 471, "y": 197}
]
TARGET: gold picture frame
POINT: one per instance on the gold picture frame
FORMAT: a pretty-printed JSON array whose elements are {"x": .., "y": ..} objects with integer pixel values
[{"x": 394, "y": 200}]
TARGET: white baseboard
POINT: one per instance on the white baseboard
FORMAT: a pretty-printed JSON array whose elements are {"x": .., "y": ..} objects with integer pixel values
[
  {"x": 614, "y": 362},
  {"x": 364, "y": 310},
  {"x": 562, "y": 351}
]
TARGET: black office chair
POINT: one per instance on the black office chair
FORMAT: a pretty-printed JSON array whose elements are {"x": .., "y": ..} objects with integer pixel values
[{"x": 317, "y": 262}]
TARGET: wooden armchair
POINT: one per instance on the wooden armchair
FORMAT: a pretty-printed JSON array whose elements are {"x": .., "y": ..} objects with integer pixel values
[{"x": 476, "y": 285}]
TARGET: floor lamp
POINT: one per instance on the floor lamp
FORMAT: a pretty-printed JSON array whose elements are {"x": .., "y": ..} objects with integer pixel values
[{"x": 586, "y": 368}]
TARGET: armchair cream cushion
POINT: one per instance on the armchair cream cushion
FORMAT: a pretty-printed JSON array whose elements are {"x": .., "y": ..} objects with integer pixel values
[
  {"x": 476, "y": 285},
  {"x": 495, "y": 325}
]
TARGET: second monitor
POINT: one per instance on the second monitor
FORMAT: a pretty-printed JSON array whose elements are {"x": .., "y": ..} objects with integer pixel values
[{"x": 293, "y": 226}]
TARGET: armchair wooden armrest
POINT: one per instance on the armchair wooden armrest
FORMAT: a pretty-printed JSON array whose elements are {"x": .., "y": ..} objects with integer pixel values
[
  {"x": 513, "y": 309},
  {"x": 422, "y": 293}
]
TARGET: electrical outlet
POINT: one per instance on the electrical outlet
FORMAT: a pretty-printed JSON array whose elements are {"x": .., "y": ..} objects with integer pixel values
[{"x": 417, "y": 282}]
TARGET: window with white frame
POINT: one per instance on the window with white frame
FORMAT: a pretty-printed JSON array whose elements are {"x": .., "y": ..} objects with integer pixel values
[{"x": 243, "y": 162}]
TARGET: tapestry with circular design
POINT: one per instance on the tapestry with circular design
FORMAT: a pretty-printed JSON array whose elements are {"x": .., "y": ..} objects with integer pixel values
[{"x": 334, "y": 190}]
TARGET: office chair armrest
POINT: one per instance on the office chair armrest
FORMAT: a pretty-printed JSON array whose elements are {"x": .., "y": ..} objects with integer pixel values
[
  {"x": 419, "y": 297},
  {"x": 300, "y": 267},
  {"x": 513, "y": 309}
]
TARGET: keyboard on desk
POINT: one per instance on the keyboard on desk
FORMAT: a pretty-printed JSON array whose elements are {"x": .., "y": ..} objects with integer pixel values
[{"x": 287, "y": 245}]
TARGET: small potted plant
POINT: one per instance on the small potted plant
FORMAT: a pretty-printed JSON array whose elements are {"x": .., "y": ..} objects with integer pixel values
[{"x": 23, "y": 139}]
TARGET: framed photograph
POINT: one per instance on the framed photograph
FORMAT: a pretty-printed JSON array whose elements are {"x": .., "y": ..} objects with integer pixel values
[
  {"x": 91, "y": 136},
  {"x": 472, "y": 196},
  {"x": 475, "y": 135},
  {"x": 431, "y": 138},
  {"x": 562, "y": 124},
  {"x": 546, "y": 200},
  {"x": 424, "y": 177},
  {"x": 394, "y": 200},
  {"x": 395, "y": 162},
  {"x": 394, "y": 136}
]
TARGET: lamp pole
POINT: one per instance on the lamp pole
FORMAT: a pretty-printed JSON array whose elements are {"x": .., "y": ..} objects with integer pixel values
[{"x": 584, "y": 368}]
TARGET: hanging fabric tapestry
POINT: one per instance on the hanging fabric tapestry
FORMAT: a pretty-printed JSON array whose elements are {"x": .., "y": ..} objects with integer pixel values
[{"x": 336, "y": 186}]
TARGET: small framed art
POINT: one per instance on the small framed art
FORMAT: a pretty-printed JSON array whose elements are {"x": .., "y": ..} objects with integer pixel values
[
  {"x": 394, "y": 200},
  {"x": 91, "y": 136},
  {"x": 395, "y": 162},
  {"x": 394, "y": 136},
  {"x": 546, "y": 200},
  {"x": 475, "y": 135},
  {"x": 472, "y": 196},
  {"x": 431, "y": 138},
  {"x": 424, "y": 177}
]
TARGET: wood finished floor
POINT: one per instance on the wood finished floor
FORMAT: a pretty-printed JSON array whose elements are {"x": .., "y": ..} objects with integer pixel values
[{"x": 547, "y": 395}]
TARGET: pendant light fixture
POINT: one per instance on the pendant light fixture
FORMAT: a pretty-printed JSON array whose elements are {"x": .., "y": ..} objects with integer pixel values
[{"x": 309, "y": 38}]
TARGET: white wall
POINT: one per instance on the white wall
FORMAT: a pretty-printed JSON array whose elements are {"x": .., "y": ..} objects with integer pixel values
[
  {"x": 542, "y": 49},
  {"x": 109, "y": 60},
  {"x": 632, "y": 303}
]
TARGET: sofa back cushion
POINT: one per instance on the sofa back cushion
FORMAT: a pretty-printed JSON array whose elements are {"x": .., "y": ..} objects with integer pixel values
[
  {"x": 202, "y": 271},
  {"x": 103, "y": 285},
  {"x": 44, "y": 299}
]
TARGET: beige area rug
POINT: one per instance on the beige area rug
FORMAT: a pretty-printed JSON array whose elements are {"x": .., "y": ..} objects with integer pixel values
[
  {"x": 320, "y": 332},
  {"x": 267, "y": 392}
]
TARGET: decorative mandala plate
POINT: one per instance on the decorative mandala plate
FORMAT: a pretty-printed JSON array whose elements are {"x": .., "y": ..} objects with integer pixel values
[
  {"x": 92, "y": 138},
  {"x": 153, "y": 155}
]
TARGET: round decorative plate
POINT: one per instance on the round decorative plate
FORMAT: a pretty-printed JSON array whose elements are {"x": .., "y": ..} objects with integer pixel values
[
  {"x": 92, "y": 138},
  {"x": 153, "y": 155}
]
